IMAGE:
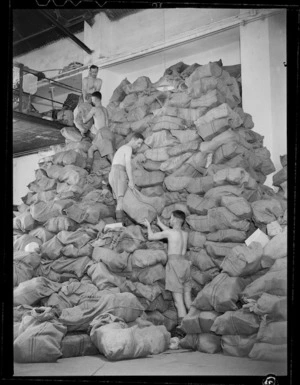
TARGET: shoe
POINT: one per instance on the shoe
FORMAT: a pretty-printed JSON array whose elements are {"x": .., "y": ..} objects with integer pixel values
[
  {"x": 174, "y": 343},
  {"x": 177, "y": 332}
]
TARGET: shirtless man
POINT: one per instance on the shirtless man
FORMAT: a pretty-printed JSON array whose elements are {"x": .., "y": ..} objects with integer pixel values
[
  {"x": 120, "y": 176},
  {"x": 102, "y": 136},
  {"x": 91, "y": 83},
  {"x": 178, "y": 276}
]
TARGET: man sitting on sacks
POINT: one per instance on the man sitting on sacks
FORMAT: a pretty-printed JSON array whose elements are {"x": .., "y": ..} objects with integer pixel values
[
  {"x": 91, "y": 84},
  {"x": 120, "y": 176},
  {"x": 101, "y": 135},
  {"x": 178, "y": 275}
]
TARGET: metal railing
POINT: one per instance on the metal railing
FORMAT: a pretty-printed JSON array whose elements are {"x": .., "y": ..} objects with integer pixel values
[{"x": 20, "y": 97}]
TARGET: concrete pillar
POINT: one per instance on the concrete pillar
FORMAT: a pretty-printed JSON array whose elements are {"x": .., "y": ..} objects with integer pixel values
[
  {"x": 263, "y": 82},
  {"x": 277, "y": 33}
]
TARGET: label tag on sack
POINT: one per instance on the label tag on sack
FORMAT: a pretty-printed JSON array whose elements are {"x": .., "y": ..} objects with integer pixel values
[
  {"x": 113, "y": 226},
  {"x": 258, "y": 236}
]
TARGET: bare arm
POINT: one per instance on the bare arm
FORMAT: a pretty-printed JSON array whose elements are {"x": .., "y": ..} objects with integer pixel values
[
  {"x": 84, "y": 88},
  {"x": 161, "y": 225},
  {"x": 106, "y": 116},
  {"x": 155, "y": 236},
  {"x": 128, "y": 166},
  {"x": 89, "y": 116},
  {"x": 98, "y": 85}
]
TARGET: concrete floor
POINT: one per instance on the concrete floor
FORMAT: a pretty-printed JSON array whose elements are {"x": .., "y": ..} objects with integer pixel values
[{"x": 172, "y": 362}]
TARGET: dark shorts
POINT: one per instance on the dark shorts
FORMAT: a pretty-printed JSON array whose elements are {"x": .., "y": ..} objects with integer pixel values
[{"x": 178, "y": 274}]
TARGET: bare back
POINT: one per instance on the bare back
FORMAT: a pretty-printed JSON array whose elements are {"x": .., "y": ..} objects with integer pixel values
[
  {"x": 100, "y": 117},
  {"x": 177, "y": 242},
  {"x": 122, "y": 153}
]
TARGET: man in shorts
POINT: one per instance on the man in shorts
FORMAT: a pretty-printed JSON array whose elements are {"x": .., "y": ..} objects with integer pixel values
[
  {"x": 178, "y": 275},
  {"x": 91, "y": 83},
  {"x": 102, "y": 136},
  {"x": 120, "y": 176}
]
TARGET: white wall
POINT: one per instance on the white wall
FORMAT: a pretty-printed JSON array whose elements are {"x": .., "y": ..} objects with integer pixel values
[
  {"x": 263, "y": 51},
  {"x": 23, "y": 173},
  {"x": 54, "y": 56},
  {"x": 225, "y": 46},
  {"x": 146, "y": 28},
  {"x": 258, "y": 46}
]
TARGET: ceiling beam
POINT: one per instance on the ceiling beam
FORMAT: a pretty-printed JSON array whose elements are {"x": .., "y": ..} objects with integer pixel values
[
  {"x": 33, "y": 35},
  {"x": 70, "y": 23},
  {"x": 22, "y": 38},
  {"x": 65, "y": 30}
]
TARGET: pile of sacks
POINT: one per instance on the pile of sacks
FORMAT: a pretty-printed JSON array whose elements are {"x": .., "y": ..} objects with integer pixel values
[
  {"x": 92, "y": 282},
  {"x": 280, "y": 177},
  {"x": 83, "y": 283}
]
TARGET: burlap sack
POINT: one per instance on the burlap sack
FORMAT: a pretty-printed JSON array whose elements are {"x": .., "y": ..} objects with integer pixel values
[
  {"x": 69, "y": 157},
  {"x": 143, "y": 178},
  {"x": 138, "y": 206},
  {"x": 142, "y": 83},
  {"x": 185, "y": 136},
  {"x": 24, "y": 266},
  {"x": 119, "y": 93},
  {"x": 161, "y": 139},
  {"x": 274, "y": 282},
  {"x": 218, "y": 218},
  {"x": 237, "y": 345},
  {"x": 77, "y": 345},
  {"x": 204, "y": 342},
  {"x": 239, "y": 322},
  {"x": 42, "y": 184},
  {"x": 123, "y": 305},
  {"x": 42, "y": 234},
  {"x": 221, "y": 294},
  {"x": 183, "y": 148},
  {"x": 269, "y": 352},
  {"x": 71, "y": 134},
  {"x": 157, "y": 154},
  {"x": 174, "y": 163},
  {"x": 211, "y": 69}
]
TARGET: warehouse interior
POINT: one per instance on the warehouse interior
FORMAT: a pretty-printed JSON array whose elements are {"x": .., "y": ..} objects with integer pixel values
[{"x": 90, "y": 297}]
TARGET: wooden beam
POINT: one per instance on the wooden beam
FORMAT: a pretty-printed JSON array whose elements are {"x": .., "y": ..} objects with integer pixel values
[{"x": 65, "y": 31}]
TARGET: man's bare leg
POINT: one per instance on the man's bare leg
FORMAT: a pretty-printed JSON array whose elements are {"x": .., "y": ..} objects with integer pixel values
[
  {"x": 187, "y": 299},
  {"x": 120, "y": 203},
  {"x": 119, "y": 210},
  {"x": 179, "y": 304},
  {"x": 181, "y": 313},
  {"x": 90, "y": 158}
]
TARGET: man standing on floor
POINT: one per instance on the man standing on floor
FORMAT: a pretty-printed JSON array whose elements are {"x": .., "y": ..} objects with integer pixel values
[
  {"x": 178, "y": 275},
  {"x": 102, "y": 136},
  {"x": 91, "y": 83},
  {"x": 120, "y": 176}
]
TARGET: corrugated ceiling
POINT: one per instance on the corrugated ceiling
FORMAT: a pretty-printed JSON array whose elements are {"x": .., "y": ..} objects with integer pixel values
[{"x": 31, "y": 30}]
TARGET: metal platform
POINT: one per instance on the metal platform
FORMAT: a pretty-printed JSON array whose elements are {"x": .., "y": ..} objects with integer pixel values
[{"x": 32, "y": 133}]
